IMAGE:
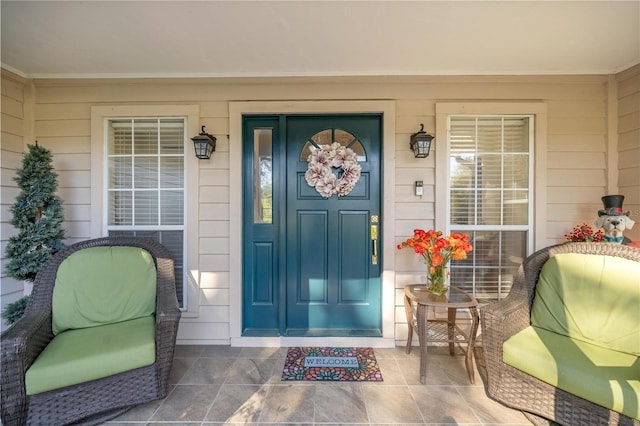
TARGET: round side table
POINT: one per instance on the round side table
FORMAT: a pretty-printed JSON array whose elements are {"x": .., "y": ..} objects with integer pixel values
[{"x": 417, "y": 300}]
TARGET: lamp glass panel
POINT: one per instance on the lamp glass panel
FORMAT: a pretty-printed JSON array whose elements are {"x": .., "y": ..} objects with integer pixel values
[
  {"x": 197, "y": 145},
  {"x": 424, "y": 145},
  {"x": 202, "y": 148},
  {"x": 421, "y": 146}
]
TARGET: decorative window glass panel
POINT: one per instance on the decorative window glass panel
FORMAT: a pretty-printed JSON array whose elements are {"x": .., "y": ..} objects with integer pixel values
[
  {"x": 329, "y": 136},
  {"x": 263, "y": 175}
]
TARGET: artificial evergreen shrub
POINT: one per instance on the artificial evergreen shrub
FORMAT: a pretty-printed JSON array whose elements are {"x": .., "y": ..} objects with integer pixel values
[
  {"x": 13, "y": 311},
  {"x": 37, "y": 215}
]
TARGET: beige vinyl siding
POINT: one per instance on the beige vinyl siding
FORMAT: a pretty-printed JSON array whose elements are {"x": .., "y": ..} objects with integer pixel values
[
  {"x": 629, "y": 144},
  {"x": 576, "y": 155},
  {"x": 412, "y": 212},
  {"x": 576, "y": 161},
  {"x": 12, "y": 144},
  {"x": 212, "y": 323},
  {"x": 67, "y": 133}
]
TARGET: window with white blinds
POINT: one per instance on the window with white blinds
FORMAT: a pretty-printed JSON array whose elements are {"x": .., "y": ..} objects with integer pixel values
[
  {"x": 146, "y": 183},
  {"x": 490, "y": 189}
]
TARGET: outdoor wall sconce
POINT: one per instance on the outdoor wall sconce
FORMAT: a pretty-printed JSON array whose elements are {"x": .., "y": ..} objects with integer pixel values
[
  {"x": 204, "y": 144},
  {"x": 421, "y": 143}
]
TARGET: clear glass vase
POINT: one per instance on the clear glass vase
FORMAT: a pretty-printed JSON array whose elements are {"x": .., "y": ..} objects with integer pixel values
[{"x": 438, "y": 280}]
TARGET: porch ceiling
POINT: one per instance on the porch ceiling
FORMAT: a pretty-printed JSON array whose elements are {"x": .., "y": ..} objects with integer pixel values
[{"x": 317, "y": 38}]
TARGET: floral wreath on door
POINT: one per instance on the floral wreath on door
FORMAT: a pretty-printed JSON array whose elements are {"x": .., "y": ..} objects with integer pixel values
[{"x": 320, "y": 173}]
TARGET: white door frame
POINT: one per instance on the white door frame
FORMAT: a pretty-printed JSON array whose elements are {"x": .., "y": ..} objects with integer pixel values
[{"x": 236, "y": 111}]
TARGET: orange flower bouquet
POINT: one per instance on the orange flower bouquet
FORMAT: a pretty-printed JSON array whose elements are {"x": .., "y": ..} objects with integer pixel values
[{"x": 437, "y": 252}]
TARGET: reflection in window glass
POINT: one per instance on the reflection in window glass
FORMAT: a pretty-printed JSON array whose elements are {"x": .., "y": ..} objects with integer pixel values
[
  {"x": 145, "y": 183},
  {"x": 359, "y": 150},
  {"x": 323, "y": 138},
  {"x": 145, "y": 136},
  {"x": 489, "y": 270},
  {"x": 171, "y": 136},
  {"x": 343, "y": 138},
  {"x": 307, "y": 150},
  {"x": 489, "y": 181},
  {"x": 263, "y": 176},
  {"x": 490, "y": 199},
  {"x": 145, "y": 172}
]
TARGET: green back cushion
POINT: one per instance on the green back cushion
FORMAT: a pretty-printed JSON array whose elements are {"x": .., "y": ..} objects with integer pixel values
[
  {"x": 103, "y": 285},
  {"x": 592, "y": 298}
]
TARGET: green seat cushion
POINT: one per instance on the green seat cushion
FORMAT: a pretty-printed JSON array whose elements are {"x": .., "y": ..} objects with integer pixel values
[
  {"x": 603, "y": 376},
  {"x": 593, "y": 298},
  {"x": 77, "y": 356},
  {"x": 103, "y": 285}
]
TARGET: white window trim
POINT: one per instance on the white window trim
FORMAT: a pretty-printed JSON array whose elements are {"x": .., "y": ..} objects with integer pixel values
[
  {"x": 99, "y": 121},
  {"x": 539, "y": 111}
]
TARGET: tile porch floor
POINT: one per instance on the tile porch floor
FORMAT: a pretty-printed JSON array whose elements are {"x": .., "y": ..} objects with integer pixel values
[{"x": 230, "y": 385}]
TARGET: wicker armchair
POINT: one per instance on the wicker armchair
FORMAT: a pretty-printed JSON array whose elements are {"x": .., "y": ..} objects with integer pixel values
[
  {"x": 541, "y": 402},
  {"x": 97, "y": 400}
]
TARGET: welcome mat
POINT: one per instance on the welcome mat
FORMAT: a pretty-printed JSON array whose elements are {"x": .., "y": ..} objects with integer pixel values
[{"x": 338, "y": 364}]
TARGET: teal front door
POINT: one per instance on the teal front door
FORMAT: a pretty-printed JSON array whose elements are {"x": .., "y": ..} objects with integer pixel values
[{"x": 311, "y": 264}]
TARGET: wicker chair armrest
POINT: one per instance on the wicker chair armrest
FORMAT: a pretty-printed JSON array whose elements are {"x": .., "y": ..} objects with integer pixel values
[
  {"x": 166, "y": 300},
  {"x": 28, "y": 336},
  {"x": 167, "y": 308},
  {"x": 167, "y": 320},
  {"x": 168, "y": 313},
  {"x": 503, "y": 319},
  {"x": 20, "y": 345},
  {"x": 500, "y": 321}
]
